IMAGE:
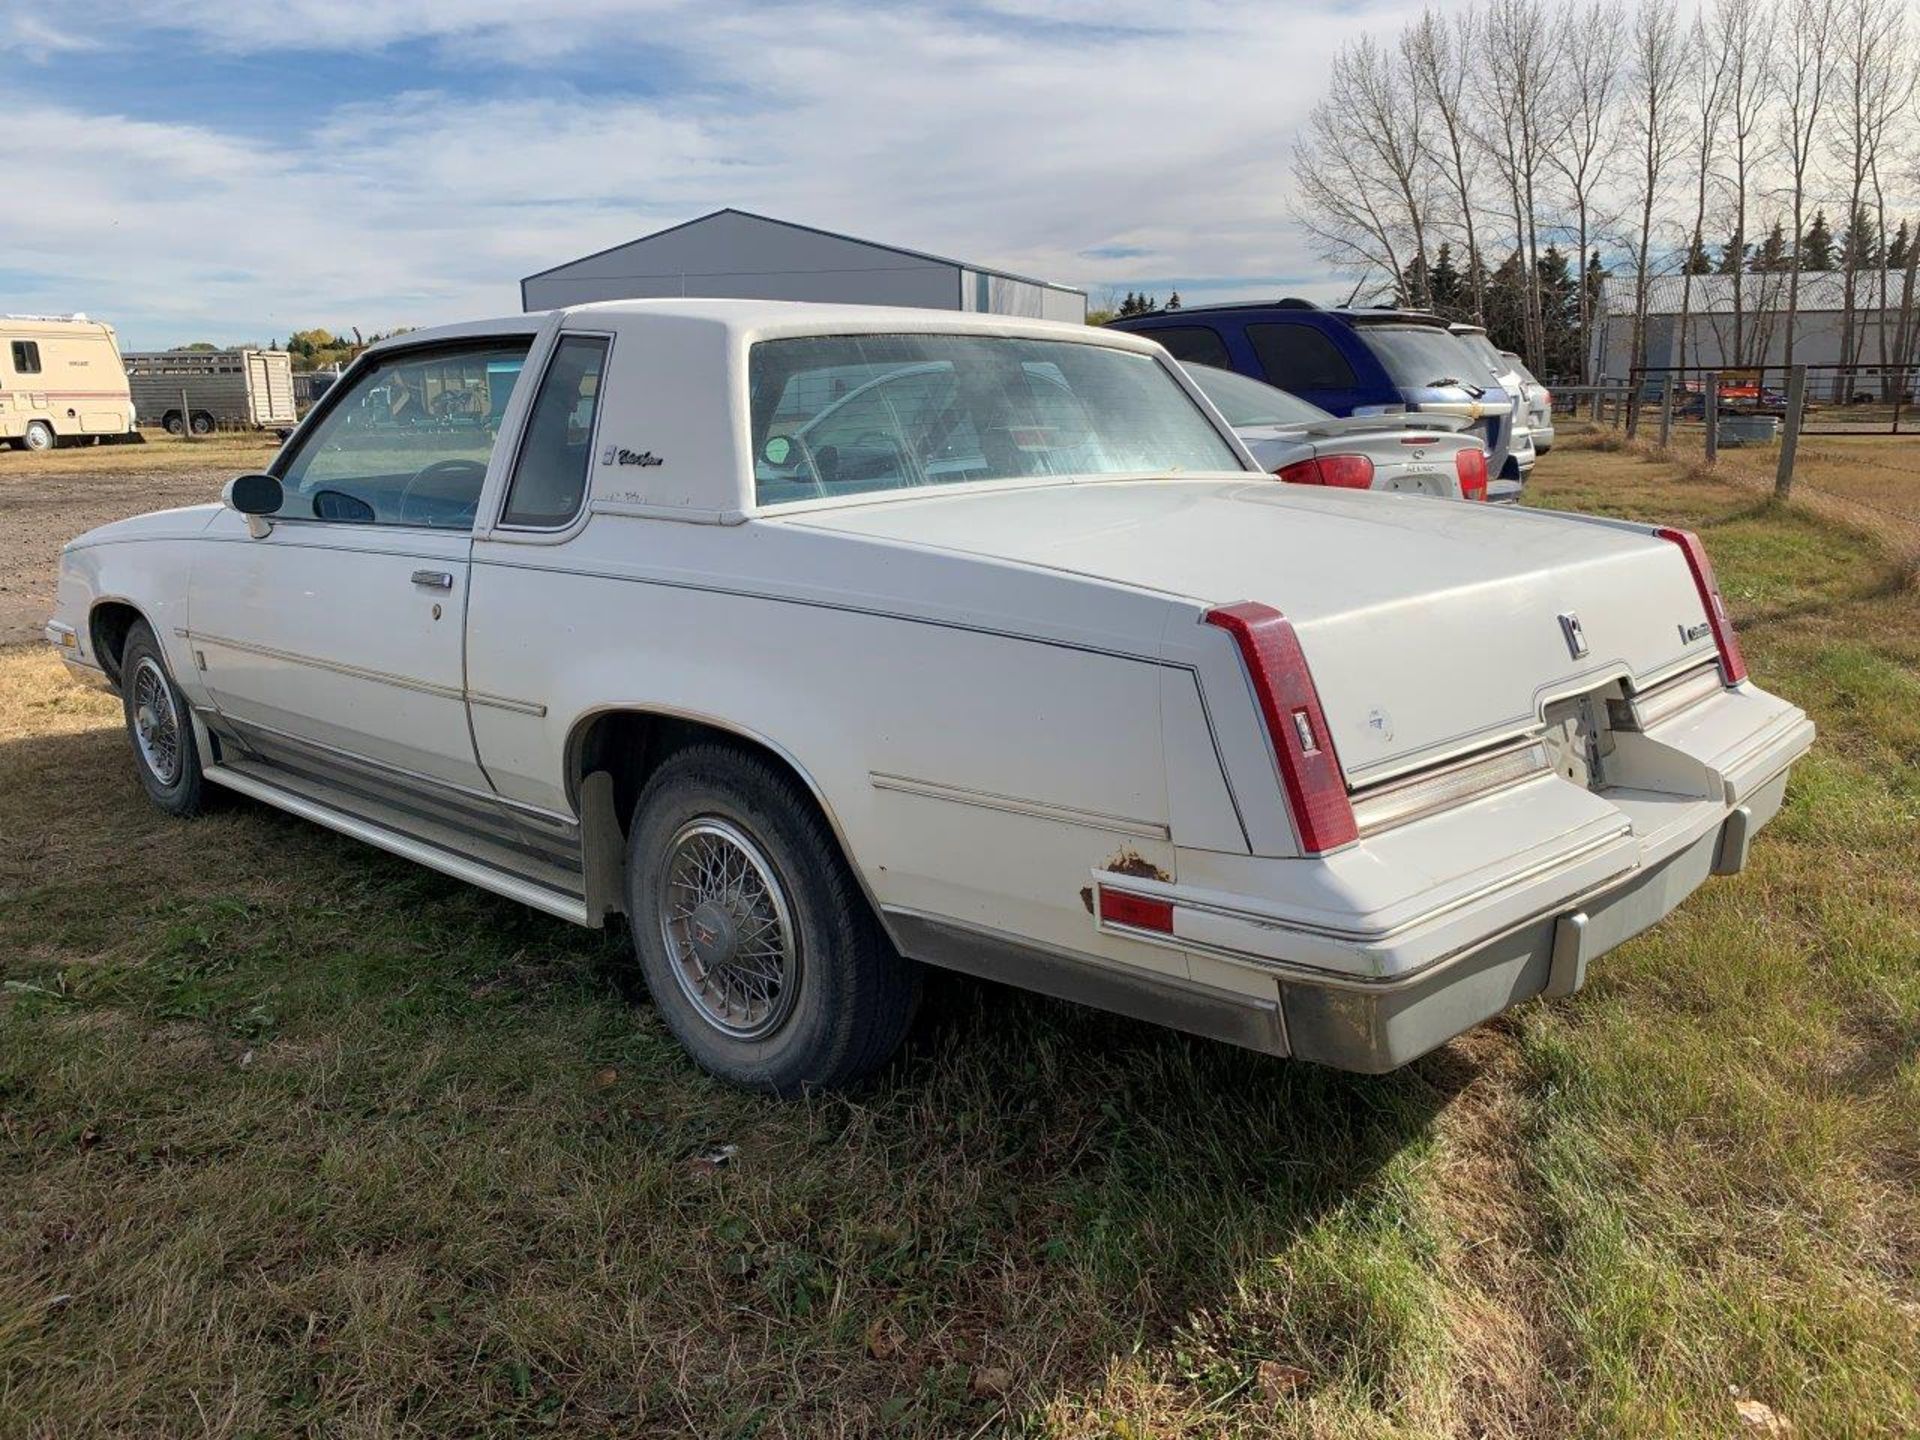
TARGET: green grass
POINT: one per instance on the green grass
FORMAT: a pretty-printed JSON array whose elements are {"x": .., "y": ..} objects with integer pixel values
[{"x": 295, "y": 1138}]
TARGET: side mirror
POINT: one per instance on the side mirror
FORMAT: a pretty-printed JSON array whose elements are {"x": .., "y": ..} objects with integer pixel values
[{"x": 256, "y": 497}]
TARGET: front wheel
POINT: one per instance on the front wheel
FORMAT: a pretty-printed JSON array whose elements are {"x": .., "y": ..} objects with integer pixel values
[
  {"x": 753, "y": 935},
  {"x": 160, "y": 727},
  {"x": 39, "y": 436}
]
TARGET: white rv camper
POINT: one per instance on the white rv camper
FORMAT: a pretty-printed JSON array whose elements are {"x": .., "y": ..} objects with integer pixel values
[{"x": 61, "y": 379}]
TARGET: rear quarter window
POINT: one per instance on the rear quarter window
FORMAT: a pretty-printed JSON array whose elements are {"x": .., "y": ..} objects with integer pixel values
[
  {"x": 1193, "y": 344},
  {"x": 1299, "y": 357}
]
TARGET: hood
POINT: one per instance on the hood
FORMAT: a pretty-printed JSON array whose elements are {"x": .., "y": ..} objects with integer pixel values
[{"x": 187, "y": 521}]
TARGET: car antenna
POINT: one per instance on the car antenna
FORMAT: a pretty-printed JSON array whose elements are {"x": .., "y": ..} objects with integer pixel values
[{"x": 1354, "y": 294}]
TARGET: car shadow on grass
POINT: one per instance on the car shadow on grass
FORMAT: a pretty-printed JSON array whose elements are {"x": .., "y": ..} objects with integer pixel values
[{"x": 477, "y": 1099}]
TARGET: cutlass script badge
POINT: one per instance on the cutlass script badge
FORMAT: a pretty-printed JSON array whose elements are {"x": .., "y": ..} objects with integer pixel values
[{"x": 614, "y": 455}]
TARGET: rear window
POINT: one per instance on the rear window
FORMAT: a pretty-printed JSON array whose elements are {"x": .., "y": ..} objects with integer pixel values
[
  {"x": 1421, "y": 356},
  {"x": 846, "y": 414},
  {"x": 1481, "y": 348},
  {"x": 1299, "y": 357},
  {"x": 1193, "y": 344},
  {"x": 1247, "y": 402}
]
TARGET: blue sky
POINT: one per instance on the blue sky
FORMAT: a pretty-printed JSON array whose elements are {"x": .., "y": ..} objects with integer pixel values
[{"x": 232, "y": 172}]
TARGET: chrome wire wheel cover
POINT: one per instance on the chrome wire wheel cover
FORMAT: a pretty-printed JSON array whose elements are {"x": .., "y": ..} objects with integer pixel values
[
  {"x": 728, "y": 930},
  {"x": 156, "y": 724}
]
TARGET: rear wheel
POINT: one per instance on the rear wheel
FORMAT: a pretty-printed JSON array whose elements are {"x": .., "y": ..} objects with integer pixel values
[
  {"x": 753, "y": 935},
  {"x": 160, "y": 726},
  {"x": 39, "y": 436},
  {"x": 202, "y": 423}
]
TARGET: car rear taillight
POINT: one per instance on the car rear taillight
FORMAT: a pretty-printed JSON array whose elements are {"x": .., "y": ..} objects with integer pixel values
[
  {"x": 1470, "y": 465},
  {"x": 1546, "y": 401},
  {"x": 1733, "y": 667},
  {"x": 1348, "y": 472},
  {"x": 1296, "y": 725}
]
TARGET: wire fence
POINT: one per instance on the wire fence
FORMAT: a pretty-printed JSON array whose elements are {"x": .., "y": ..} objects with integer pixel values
[{"x": 1753, "y": 431}]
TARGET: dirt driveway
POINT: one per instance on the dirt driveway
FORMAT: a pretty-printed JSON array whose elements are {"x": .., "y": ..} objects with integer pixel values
[{"x": 45, "y": 500}]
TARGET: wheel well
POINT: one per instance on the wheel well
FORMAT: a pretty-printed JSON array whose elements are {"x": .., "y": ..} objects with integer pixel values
[
  {"x": 631, "y": 744},
  {"x": 108, "y": 626}
]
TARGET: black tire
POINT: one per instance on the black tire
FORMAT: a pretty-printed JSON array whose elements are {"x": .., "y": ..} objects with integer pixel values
[
  {"x": 39, "y": 436},
  {"x": 178, "y": 788},
  {"x": 845, "y": 996},
  {"x": 174, "y": 424},
  {"x": 202, "y": 423}
]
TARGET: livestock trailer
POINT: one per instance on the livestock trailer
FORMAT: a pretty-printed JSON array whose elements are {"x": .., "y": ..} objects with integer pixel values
[{"x": 206, "y": 389}]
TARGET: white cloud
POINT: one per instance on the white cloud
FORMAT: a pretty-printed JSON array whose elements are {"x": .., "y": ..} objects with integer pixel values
[{"x": 1012, "y": 136}]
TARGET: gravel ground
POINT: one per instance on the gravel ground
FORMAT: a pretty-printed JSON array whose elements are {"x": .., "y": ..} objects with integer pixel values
[{"x": 47, "y": 500}]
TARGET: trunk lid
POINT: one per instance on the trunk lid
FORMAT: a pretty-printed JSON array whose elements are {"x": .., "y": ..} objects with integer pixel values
[{"x": 1431, "y": 629}]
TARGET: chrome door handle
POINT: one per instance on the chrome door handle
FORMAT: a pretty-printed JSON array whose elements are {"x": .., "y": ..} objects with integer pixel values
[{"x": 433, "y": 579}]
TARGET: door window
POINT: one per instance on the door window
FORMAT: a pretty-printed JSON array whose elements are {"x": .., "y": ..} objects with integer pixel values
[
  {"x": 550, "y": 476},
  {"x": 26, "y": 357},
  {"x": 409, "y": 441},
  {"x": 1299, "y": 357}
]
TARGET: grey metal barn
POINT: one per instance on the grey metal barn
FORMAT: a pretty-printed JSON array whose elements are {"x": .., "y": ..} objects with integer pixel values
[
  {"x": 1884, "y": 331},
  {"x": 735, "y": 253}
]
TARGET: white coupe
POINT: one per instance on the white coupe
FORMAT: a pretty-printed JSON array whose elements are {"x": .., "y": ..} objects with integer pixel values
[{"x": 1017, "y": 664}]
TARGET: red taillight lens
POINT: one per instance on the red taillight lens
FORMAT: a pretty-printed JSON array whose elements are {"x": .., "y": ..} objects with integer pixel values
[
  {"x": 1546, "y": 400},
  {"x": 1733, "y": 666},
  {"x": 1348, "y": 472},
  {"x": 1142, "y": 912},
  {"x": 1470, "y": 465},
  {"x": 1296, "y": 725}
]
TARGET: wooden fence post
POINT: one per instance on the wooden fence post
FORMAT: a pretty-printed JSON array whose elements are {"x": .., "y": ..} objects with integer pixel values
[
  {"x": 1790, "y": 438},
  {"x": 1712, "y": 409}
]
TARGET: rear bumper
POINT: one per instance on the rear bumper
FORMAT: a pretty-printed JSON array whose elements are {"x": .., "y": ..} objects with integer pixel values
[
  {"x": 1375, "y": 1028},
  {"x": 1371, "y": 992}
]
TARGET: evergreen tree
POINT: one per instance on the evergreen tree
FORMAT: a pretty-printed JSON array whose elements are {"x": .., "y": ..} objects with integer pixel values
[
  {"x": 1816, "y": 246},
  {"x": 1857, "y": 242},
  {"x": 1732, "y": 255},
  {"x": 1449, "y": 287},
  {"x": 1772, "y": 254},
  {"x": 1897, "y": 248},
  {"x": 1559, "y": 315},
  {"x": 1507, "y": 304},
  {"x": 1698, "y": 262}
]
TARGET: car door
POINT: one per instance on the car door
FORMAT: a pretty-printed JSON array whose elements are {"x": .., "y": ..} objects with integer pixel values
[{"x": 333, "y": 644}]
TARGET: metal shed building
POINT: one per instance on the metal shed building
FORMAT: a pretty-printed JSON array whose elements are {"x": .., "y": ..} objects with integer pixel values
[{"x": 734, "y": 253}]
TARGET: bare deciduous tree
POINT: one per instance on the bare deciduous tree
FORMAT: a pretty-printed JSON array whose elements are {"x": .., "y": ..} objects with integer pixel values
[
  {"x": 1439, "y": 56},
  {"x": 1590, "y": 40},
  {"x": 1743, "y": 33},
  {"x": 1656, "y": 58},
  {"x": 1804, "y": 65}
]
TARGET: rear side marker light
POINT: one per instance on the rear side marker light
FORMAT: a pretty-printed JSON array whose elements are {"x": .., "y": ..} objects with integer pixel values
[
  {"x": 1142, "y": 912},
  {"x": 1296, "y": 725},
  {"x": 1344, "y": 472},
  {"x": 1470, "y": 465},
  {"x": 1733, "y": 666}
]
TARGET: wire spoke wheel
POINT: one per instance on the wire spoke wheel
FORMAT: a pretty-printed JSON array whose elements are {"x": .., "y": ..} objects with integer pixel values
[
  {"x": 728, "y": 929},
  {"x": 156, "y": 723}
]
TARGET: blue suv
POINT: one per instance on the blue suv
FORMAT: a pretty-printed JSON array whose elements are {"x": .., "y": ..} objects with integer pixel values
[{"x": 1352, "y": 362}]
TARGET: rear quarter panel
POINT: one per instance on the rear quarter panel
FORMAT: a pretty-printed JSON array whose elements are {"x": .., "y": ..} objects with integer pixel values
[{"x": 978, "y": 766}]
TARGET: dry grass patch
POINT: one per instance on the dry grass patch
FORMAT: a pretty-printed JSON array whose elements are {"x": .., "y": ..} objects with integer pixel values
[{"x": 298, "y": 1139}]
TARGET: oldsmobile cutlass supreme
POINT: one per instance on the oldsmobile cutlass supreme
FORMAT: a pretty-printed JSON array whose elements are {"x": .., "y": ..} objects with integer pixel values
[{"x": 823, "y": 643}]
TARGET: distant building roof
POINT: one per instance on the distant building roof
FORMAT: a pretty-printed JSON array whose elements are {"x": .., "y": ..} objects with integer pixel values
[
  {"x": 1759, "y": 291},
  {"x": 812, "y": 230}
]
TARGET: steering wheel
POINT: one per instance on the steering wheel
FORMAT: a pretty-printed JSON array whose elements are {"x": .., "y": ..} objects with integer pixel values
[{"x": 441, "y": 469}]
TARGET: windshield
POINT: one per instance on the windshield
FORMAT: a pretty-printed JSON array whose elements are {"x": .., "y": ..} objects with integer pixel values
[
  {"x": 1422, "y": 357},
  {"x": 846, "y": 414},
  {"x": 1248, "y": 402}
]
